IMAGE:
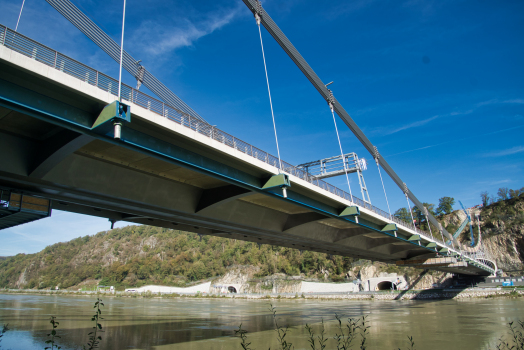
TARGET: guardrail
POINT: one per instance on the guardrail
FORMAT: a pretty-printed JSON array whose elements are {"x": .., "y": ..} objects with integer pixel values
[{"x": 41, "y": 53}]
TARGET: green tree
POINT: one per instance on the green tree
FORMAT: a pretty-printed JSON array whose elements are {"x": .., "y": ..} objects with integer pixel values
[
  {"x": 403, "y": 214},
  {"x": 420, "y": 215},
  {"x": 503, "y": 193},
  {"x": 484, "y": 196},
  {"x": 516, "y": 193},
  {"x": 445, "y": 205}
]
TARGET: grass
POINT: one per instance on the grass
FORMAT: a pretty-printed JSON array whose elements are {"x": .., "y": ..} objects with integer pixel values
[
  {"x": 514, "y": 339},
  {"x": 354, "y": 333}
]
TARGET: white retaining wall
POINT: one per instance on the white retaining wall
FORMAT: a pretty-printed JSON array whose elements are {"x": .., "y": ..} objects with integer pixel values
[
  {"x": 202, "y": 288},
  {"x": 314, "y": 287}
]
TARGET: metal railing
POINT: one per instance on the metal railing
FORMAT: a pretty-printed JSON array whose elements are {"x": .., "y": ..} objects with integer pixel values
[{"x": 41, "y": 53}]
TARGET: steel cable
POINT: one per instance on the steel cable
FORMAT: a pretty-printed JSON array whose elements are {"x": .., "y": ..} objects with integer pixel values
[
  {"x": 269, "y": 92},
  {"x": 341, "y": 152}
]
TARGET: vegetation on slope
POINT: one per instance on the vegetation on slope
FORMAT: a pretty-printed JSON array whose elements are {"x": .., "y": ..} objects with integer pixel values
[{"x": 138, "y": 255}]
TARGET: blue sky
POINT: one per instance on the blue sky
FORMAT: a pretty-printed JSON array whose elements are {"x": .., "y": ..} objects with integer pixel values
[{"x": 437, "y": 86}]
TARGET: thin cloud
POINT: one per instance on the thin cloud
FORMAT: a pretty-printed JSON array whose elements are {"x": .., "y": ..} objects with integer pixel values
[
  {"x": 454, "y": 141},
  {"x": 497, "y": 101},
  {"x": 519, "y": 101},
  {"x": 158, "y": 39},
  {"x": 493, "y": 182},
  {"x": 412, "y": 125},
  {"x": 506, "y": 152}
]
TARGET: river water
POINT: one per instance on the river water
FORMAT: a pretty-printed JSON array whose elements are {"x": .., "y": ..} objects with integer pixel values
[{"x": 205, "y": 324}]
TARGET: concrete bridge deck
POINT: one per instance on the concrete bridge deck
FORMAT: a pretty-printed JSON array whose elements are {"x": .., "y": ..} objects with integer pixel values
[{"x": 177, "y": 173}]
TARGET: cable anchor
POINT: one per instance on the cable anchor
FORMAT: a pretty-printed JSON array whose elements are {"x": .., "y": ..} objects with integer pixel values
[
  {"x": 376, "y": 155},
  {"x": 258, "y": 12},
  {"x": 140, "y": 74},
  {"x": 331, "y": 99}
]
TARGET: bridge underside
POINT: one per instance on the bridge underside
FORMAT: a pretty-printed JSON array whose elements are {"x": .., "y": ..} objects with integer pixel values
[{"x": 158, "y": 177}]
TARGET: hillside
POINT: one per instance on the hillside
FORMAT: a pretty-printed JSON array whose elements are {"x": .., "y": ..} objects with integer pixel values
[{"x": 139, "y": 255}]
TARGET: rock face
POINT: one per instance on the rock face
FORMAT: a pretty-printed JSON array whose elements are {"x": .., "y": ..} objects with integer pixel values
[
  {"x": 243, "y": 280},
  {"x": 237, "y": 277},
  {"x": 502, "y": 228},
  {"x": 507, "y": 251},
  {"x": 426, "y": 280}
]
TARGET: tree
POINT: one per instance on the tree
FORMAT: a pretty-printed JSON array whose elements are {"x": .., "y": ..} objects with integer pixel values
[
  {"x": 403, "y": 214},
  {"x": 516, "y": 193},
  {"x": 445, "y": 205},
  {"x": 420, "y": 215},
  {"x": 503, "y": 193},
  {"x": 485, "y": 198}
]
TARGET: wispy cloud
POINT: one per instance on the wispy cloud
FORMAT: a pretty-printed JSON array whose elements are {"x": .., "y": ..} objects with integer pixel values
[
  {"x": 157, "y": 39},
  {"x": 347, "y": 7},
  {"x": 519, "y": 101},
  {"x": 462, "y": 139},
  {"x": 506, "y": 152},
  {"x": 411, "y": 125},
  {"x": 499, "y": 182},
  {"x": 497, "y": 101}
]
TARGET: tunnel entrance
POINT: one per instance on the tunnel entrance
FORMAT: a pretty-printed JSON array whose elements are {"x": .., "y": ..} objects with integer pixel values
[
  {"x": 384, "y": 285},
  {"x": 231, "y": 289}
]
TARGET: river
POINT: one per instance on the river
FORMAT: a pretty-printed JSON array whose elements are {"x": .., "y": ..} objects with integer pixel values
[{"x": 208, "y": 324}]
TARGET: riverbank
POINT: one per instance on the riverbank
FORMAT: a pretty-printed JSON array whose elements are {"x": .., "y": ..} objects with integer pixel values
[{"x": 430, "y": 294}]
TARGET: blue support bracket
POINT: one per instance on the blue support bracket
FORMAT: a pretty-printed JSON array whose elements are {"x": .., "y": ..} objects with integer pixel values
[{"x": 112, "y": 116}]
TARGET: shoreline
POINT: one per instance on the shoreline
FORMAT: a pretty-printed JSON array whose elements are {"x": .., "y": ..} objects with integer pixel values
[{"x": 428, "y": 294}]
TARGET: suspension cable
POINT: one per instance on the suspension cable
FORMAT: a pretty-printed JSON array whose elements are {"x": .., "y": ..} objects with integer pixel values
[
  {"x": 427, "y": 220},
  {"x": 376, "y": 155},
  {"x": 20, "y": 15},
  {"x": 340, "y": 145},
  {"x": 409, "y": 205},
  {"x": 257, "y": 17},
  {"x": 121, "y": 53}
]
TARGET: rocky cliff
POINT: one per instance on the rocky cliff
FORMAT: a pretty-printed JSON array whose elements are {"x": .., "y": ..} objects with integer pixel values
[{"x": 502, "y": 229}]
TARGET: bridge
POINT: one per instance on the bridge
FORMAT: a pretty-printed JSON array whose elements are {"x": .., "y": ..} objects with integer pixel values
[{"x": 164, "y": 167}]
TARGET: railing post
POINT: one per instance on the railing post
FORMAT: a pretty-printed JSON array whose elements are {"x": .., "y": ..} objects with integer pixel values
[
  {"x": 5, "y": 34},
  {"x": 163, "y": 110},
  {"x": 96, "y": 79},
  {"x": 56, "y": 57}
]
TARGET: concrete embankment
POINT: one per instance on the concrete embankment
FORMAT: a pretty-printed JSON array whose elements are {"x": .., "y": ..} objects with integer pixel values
[
  {"x": 471, "y": 293},
  {"x": 402, "y": 295}
]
